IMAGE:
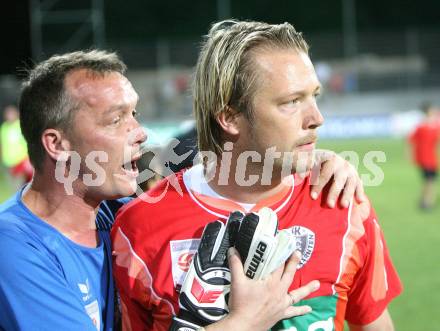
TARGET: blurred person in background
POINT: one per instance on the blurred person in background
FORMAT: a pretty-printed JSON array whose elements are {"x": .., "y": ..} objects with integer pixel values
[
  {"x": 14, "y": 149},
  {"x": 425, "y": 141},
  {"x": 149, "y": 165},
  {"x": 187, "y": 144}
]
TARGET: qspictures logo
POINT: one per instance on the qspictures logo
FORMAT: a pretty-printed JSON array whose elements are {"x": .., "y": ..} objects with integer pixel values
[{"x": 93, "y": 164}]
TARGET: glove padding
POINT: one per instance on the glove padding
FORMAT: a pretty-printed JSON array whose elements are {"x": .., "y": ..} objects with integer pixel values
[
  {"x": 261, "y": 247},
  {"x": 205, "y": 290},
  {"x": 204, "y": 294}
]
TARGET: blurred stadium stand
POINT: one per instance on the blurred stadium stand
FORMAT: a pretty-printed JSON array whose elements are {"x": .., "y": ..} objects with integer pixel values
[
  {"x": 387, "y": 71},
  {"x": 394, "y": 71}
]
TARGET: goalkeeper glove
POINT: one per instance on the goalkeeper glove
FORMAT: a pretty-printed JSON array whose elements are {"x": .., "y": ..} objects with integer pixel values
[
  {"x": 205, "y": 290},
  {"x": 261, "y": 247}
]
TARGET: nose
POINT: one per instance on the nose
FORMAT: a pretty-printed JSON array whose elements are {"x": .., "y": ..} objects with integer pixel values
[
  {"x": 137, "y": 133},
  {"x": 313, "y": 117}
]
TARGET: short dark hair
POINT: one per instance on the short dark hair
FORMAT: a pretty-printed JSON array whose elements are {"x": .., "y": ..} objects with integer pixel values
[{"x": 44, "y": 102}]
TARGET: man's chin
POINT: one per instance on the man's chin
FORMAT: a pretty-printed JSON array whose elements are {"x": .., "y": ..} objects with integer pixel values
[
  {"x": 124, "y": 186},
  {"x": 130, "y": 189}
]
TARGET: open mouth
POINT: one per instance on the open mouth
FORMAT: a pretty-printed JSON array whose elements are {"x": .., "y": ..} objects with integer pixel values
[{"x": 130, "y": 168}]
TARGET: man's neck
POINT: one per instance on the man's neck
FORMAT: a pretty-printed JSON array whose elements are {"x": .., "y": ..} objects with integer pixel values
[
  {"x": 72, "y": 215},
  {"x": 234, "y": 190}
]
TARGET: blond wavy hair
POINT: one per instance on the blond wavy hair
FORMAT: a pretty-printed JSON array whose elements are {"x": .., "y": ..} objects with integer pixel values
[{"x": 226, "y": 76}]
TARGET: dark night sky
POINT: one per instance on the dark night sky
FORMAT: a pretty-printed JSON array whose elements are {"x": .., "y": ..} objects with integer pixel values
[{"x": 146, "y": 20}]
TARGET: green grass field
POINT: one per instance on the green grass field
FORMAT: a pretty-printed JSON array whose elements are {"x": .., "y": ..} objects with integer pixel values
[
  {"x": 5, "y": 190},
  {"x": 413, "y": 237}
]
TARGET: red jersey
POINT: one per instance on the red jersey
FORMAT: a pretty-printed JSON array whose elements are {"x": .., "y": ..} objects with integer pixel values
[
  {"x": 342, "y": 248},
  {"x": 424, "y": 140}
]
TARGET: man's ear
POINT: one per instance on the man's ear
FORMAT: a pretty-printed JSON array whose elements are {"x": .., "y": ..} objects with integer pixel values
[
  {"x": 228, "y": 119},
  {"x": 55, "y": 143}
]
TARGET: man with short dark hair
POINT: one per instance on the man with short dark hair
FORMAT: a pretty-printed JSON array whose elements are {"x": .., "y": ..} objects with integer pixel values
[{"x": 78, "y": 116}]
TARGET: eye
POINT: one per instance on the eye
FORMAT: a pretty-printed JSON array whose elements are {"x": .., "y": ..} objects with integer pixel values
[
  {"x": 134, "y": 113},
  {"x": 317, "y": 95},
  {"x": 116, "y": 120},
  {"x": 294, "y": 102}
]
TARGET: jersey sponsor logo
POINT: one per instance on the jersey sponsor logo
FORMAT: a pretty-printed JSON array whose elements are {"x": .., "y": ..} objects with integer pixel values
[
  {"x": 182, "y": 252},
  {"x": 85, "y": 289},
  {"x": 184, "y": 261},
  {"x": 327, "y": 325},
  {"x": 305, "y": 242},
  {"x": 93, "y": 311},
  {"x": 321, "y": 319}
]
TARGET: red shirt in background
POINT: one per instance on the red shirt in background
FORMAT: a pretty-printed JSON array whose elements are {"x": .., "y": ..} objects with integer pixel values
[{"x": 424, "y": 140}]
